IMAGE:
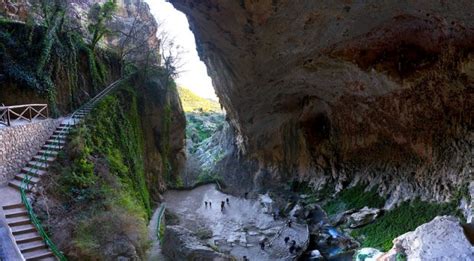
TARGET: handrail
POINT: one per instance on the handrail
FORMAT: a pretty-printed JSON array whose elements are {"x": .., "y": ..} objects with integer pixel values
[
  {"x": 25, "y": 184},
  {"x": 160, "y": 218},
  {"x": 29, "y": 112}
]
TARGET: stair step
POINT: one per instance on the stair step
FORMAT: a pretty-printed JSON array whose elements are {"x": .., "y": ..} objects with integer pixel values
[
  {"x": 58, "y": 137},
  {"x": 60, "y": 132},
  {"x": 52, "y": 147},
  {"x": 16, "y": 213},
  {"x": 38, "y": 254},
  {"x": 17, "y": 184},
  {"x": 33, "y": 171},
  {"x": 55, "y": 141},
  {"x": 13, "y": 206},
  {"x": 18, "y": 221},
  {"x": 28, "y": 237},
  {"x": 48, "y": 152},
  {"x": 22, "y": 176},
  {"x": 32, "y": 246},
  {"x": 38, "y": 165},
  {"x": 18, "y": 230},
  {"x": 44, "y": 158}
]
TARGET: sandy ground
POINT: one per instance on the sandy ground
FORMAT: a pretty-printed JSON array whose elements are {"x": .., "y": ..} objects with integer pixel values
[{"x": 237, "y": 229}]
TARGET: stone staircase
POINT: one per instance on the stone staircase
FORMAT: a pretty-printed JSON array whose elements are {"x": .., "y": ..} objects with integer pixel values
[
  {"x": 29, "y": 242},
  {"x": 25, "y": 234}
]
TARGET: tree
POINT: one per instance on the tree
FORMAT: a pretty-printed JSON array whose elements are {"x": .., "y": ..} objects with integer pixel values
[
  {"x": 136, "y": 42},
  {"x": 171, "y": 54},
  {"x": 99, "y": 16}
]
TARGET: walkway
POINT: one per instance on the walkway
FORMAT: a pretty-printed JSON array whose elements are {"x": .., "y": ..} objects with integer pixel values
[
  {"x": 154, "y": 254},
  {"x": 19, "y": 237},
  {"x": 17, "y": 232},
  {"x": 239, "y": 228}
]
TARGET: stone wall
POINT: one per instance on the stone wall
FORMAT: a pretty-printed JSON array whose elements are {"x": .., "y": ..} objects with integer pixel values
[{"x": 19, "y": 144}]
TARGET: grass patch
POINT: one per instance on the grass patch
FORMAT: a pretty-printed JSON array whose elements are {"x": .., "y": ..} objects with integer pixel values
[
  {"x": 192, "y": 102},
  {"x": 404, "y": 218},
  {"x": 355, "y": 197}
]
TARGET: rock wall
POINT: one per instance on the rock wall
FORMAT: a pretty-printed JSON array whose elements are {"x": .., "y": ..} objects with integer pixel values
[
  {"x": 341, "y": 92},
  {"x": 163, "y": 125},
  {"x": 18, "y": 144}
]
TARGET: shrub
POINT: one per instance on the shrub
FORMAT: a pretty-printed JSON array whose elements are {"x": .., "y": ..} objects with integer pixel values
[
  {"x": 404, "y": 218},
  {"x": 355, "y": 197}
]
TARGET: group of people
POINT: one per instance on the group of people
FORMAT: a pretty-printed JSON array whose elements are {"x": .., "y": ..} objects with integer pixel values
[
  {"x": 209, "y": 203},
  {"x": 293, "y": 247}
]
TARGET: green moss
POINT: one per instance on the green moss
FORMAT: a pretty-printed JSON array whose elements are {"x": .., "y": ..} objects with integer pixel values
[
  {"x": 116, "y": 133},
  {"x": 165, "y": 144},
  {"x": 355, "y": 197},
  {"x": 102, "y": 175},
  {"x": 404, "y": 218}
]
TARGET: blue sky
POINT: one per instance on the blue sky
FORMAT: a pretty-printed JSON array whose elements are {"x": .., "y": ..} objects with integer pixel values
[{"x": 176, "y": 24}]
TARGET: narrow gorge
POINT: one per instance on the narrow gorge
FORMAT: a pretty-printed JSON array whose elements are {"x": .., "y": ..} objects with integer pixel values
[{"x": 341, "y": 130}]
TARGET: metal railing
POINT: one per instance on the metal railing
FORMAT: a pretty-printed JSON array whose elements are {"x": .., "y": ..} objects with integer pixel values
[
  {"x": 160, "y": 219},
  {"x": 25, "y": 184},
  {"x": 28, "y": 112}
]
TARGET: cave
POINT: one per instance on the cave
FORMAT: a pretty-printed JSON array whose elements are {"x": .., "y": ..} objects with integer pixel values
[{"x": 325, "y": 130}]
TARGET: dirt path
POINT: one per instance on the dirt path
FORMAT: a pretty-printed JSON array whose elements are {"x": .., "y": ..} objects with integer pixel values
[{"x": 239, "y": 228}]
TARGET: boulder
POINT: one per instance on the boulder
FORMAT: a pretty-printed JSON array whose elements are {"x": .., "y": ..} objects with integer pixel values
[
  {"x": 298, "y": 212},
  {"x": 181, "y": 244},
  {"x": 341, "y": 218},
  {"x": 315, "y": 255},
  {"x": 367, "y": 254},
  {"x": 363, "y": 217},
  {"x": 441, "y": 239}
]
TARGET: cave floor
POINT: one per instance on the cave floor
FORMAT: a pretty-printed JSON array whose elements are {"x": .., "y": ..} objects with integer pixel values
[{"x": 239, "y": 228}]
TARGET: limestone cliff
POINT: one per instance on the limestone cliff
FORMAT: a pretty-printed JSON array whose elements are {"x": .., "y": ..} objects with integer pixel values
[{"x": 340, "y": 92}]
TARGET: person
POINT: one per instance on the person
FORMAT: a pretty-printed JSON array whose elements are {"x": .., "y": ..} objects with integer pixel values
[
  {"x": 292, "y": 249},
  {"x": 298, "y": 249},
  {"x": 293, "y": 243},
  {"x": 246, "y": 194},
  {"x": 222, "y": 205},
  {"x": 289, "y": 223},
  {"x": 274, "y": 216},
  {"x": 227, "y": 200},
  {"x": 287, "y": 239},
  {"x": 210, "y": 204},
  {"x": 246, "y": 259},
  {"x": 262, "y": 245},
  {"x": 205, "y": 202}
]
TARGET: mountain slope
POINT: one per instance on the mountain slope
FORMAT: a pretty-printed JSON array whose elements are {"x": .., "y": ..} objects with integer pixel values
[{"x": 192, "y": 102}]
